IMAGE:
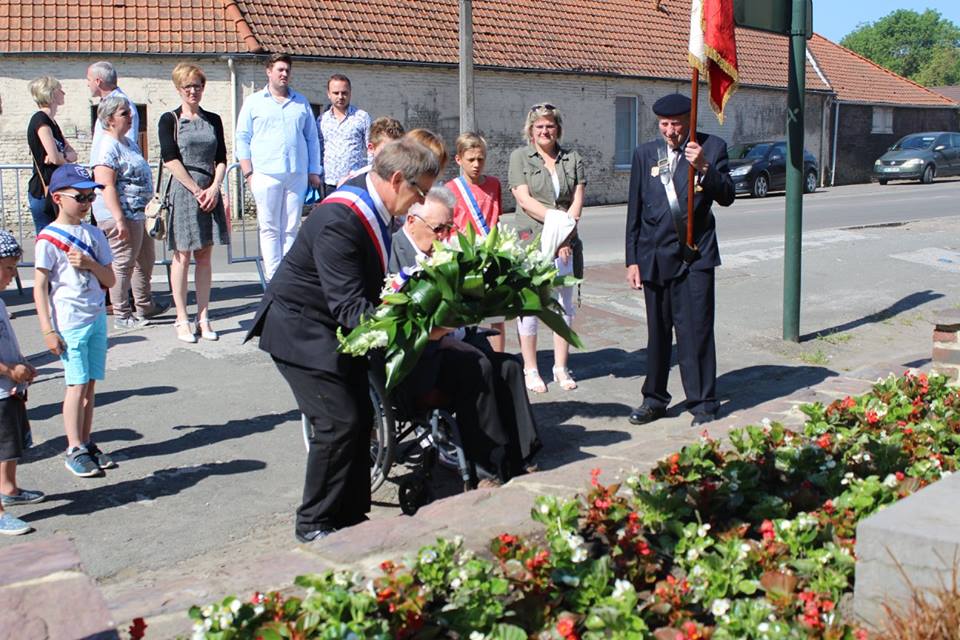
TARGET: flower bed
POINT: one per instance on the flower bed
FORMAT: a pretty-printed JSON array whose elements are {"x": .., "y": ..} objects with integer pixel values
[{"x": 751, "y": 540}]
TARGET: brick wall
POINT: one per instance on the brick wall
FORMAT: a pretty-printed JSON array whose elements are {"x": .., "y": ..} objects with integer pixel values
[
  {"x": 858, "y": 148},
  {"x": 418, "y": 97}
]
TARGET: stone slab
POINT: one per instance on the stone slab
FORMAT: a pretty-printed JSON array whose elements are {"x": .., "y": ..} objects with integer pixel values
[
  {"x": 30, "y": 560},
  {"x": 915, "y": 541},
  {"x": 62, "y": 605}
]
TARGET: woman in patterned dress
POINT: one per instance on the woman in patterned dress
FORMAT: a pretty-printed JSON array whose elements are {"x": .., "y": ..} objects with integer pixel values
[{"x": 195, "y": 155}]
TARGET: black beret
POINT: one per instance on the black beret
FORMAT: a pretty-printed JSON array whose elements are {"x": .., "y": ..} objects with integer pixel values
[{"x": 675, "y": 104}]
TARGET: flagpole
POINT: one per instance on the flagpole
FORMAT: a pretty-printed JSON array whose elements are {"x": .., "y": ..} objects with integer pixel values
[{"x": 692, "y": 136}]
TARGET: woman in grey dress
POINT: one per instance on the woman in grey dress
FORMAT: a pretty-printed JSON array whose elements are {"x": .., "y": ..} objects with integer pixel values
[{"x": 195, "y": 154}]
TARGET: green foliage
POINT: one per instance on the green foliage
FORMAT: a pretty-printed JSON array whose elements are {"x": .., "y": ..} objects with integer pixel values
[
  {"x": 750, "y": 541},
  {"x": 919, "y": 46}
]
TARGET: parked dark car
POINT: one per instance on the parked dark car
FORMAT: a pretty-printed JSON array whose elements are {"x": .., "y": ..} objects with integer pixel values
[
  {"x": 758, "y": 168},
  {"x": 920, "y": 156}
]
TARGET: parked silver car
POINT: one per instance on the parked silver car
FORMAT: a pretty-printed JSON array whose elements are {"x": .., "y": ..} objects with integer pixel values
[{"x": 920, "y": 156}]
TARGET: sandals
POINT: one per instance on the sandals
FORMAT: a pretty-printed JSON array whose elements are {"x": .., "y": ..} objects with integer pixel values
[
  {"x": 205, "y": 331},
  {"x": 184, "y": 332},
  {"x": 533, "y": 381},
  {"x": 564, "y": 377}
]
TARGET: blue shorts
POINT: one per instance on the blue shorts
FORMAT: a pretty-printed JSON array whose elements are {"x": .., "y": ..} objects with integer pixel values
[{"x": 85, "y": 358}]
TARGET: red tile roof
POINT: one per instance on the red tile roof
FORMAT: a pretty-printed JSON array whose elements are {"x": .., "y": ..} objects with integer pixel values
[
  {"x": 117, "y": 26},
  {"x": 634, "y": 38},
  {"x": 952, "y": 92},
  {"x": 856, "y": 79},
  {"x": 618, "y": 37}
]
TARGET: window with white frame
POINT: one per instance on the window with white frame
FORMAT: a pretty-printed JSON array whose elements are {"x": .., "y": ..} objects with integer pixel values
[
  {"x": 882, "y": 120},
  {"x": 625, "y": 130}
]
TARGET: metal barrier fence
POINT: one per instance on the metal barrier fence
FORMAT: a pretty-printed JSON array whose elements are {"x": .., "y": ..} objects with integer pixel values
[{"x": 15, "y": 217}]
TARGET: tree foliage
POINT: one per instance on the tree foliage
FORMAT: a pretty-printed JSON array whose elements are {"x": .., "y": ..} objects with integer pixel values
[{"x": 924, "y": 47}]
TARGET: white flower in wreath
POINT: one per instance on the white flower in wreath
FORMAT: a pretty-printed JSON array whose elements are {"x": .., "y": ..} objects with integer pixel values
[{"x": 720, "y": 607}]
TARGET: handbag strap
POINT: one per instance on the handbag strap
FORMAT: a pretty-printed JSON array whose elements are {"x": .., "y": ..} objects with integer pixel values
[
  {"x": 176, "y": 139},
  {"x": 42, "y": 181}
]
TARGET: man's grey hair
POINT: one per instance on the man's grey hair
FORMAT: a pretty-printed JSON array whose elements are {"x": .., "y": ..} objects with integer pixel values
[
  {"x": 410, "y": 158},
  {"x": 109, "y": 106},
  {"x": 105, "y": 72},
  {"x": 443, "y": 195}
]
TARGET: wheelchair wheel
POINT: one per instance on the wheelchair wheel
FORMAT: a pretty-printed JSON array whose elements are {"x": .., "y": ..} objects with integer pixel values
[
  {"x": 414, "y": 493},
  {"x": 382, "y": 437}
]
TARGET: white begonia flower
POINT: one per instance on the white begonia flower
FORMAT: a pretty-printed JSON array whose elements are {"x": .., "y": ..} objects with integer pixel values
[
  {"x": 621, "y": 534},
  {"x": 720, "y": 607},
  {"x": 476, "y": 635},
  {"x": 235, "y": 606},
  {"x": 428, "y": 556},
  {"x": 207, "y": 611},
  {"x": 785, "y": 525},
  {"x": 847, "y": 477},
  {"x": 702, "y": 530},
  {"x": 697, "y": 570},
  {"x": 693, "y": 554},
  {"x": 765, "y": 423},
  {"x": 225, "y": 620},
  {"x": 258, "y": 609},
  {"x": 579, "y": 555},
  {"x": 544, "y": 508},
  {"x": 830, "y": 464},
  {"x": 621, "y": 588},
  {"x": 455, "y": 583},
  {"x": 371, "y": 589},
  {"x": 763, "y": 627},
  {"x": 890, "y": 481},
  {"x": 734, "y": 487}
]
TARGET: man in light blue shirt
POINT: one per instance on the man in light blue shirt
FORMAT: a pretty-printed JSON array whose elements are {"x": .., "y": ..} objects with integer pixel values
[
  {"x": 102, "y": 82},
  {"x": 344, "y": 133},
  {"x": 279, "y": 154}
]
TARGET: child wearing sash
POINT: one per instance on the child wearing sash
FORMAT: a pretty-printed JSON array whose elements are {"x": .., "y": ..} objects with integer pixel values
[
  {"x": 73, "y": 267},
  {"x": 479, "y": 201}
]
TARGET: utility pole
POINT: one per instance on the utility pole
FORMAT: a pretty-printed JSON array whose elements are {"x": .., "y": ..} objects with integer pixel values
[
  {"x": 793, "y": 228},
  {"x": 468, "y": 120}
]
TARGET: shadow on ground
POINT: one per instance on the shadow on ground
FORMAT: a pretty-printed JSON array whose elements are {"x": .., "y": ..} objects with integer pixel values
[
  {"x": 163, "y": 482},
  {"x": 201, "y": 435},
  {"x": 906, "y": 303},
  {"x": 752, "y": 386}
]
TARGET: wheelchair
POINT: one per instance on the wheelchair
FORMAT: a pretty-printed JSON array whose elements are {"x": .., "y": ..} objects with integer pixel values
[{"x": 419, "y": 436}]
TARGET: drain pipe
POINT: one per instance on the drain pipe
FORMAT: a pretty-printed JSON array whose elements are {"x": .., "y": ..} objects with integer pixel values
[
  {"x": 237, "y": 202},
  {"x": 824, "y": 124},
  {"x": 836, "y": 127}
]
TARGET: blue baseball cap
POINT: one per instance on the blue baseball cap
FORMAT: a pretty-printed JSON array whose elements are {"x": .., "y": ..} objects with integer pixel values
[{"x": 72, "y": 176}]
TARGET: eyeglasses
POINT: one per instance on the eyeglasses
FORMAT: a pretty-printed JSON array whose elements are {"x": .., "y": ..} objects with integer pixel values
[
  {"x": 545, "y": 105},
  {"x": 441, "y": 229},
  {"x": 82, "y": 197},
  {"x": 192, "y": 87},
  {"x": 416, "y": 187},
  {"x": 125, "y": 114}
]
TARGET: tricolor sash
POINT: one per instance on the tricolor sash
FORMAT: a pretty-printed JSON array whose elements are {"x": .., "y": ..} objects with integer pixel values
[
  {"x": 466, "y": 194},
  {"x": 65, "y": 241},
  {"x": 362, "y": 204},
  {"x": 398, "y": 280}
]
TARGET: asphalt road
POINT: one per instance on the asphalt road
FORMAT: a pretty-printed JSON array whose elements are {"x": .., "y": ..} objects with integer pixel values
[{"x": 834, "y": 208}]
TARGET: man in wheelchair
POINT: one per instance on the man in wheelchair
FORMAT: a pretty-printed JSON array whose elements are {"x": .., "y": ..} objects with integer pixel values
[{"x": 485, "y": 389}]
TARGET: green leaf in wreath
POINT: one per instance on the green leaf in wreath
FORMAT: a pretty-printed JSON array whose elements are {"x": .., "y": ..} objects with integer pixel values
[
  {"x": 396, "y": 298},
  {"x": 531, "y": 301},
  {"x": 555, "y": 321},
  {"x": 473, "y": 285},
  {"x": 425, "y": 295}
]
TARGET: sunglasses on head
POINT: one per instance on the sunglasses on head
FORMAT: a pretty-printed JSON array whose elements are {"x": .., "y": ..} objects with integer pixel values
[
  {"x": 545, "y": 105},
  {"x": 82, "y": 197}
]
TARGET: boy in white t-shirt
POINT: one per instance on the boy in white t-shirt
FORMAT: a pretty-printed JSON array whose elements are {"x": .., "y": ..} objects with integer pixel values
[
  {"x": 15, "y": 374},
  {"x": 73, "y": 267}
]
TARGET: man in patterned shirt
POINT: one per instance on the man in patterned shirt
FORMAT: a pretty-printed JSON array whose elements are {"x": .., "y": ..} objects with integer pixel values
[{"x": 344, "y": 133}]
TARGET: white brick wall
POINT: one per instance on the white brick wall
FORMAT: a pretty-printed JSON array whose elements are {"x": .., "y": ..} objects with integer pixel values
[{"x": 418, "y": 97}]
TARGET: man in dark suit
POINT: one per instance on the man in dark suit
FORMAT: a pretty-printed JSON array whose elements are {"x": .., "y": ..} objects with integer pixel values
[
  {"x": 678, "y": 284},
  {"x": 486, "y": 389},
  {"x": 333, "y": 275}
]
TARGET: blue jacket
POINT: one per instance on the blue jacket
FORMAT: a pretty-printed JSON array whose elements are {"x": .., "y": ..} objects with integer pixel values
[{"x": 651, "y": 237}]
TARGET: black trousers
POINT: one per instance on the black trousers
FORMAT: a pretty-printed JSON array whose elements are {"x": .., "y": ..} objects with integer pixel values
[
  {"x": 516, "y": 413},
  {"x": 336, "y": 487},
  {"x": 684, "y": 304}
]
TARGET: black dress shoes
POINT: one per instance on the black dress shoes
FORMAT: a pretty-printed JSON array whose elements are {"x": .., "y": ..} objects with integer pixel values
[
  {"x": 316, "y": 534},
  {"x": 644, "y": 414},
  {"x": 700, "y": 419}
]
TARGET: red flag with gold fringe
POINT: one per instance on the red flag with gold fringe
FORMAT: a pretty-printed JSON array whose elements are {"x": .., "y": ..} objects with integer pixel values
[{"x": 713, "y": 49}]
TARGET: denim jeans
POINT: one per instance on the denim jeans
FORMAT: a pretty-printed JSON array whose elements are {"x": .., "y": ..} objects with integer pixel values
[{"x": 38, "y": 209}]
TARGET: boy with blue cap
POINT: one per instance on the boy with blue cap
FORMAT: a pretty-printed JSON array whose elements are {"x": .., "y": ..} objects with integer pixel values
[
  {"x": 15, "y": 374},
  {"x": 73, "y": 267}
]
